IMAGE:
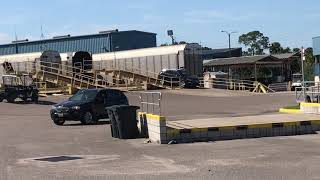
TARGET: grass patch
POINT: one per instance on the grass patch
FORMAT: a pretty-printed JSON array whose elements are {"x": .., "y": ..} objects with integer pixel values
[{"x": 297, "y": 107}]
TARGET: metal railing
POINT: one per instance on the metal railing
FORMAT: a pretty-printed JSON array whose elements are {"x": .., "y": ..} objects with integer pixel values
[
  {"x": 150, "y": 102},
  {"x": 79, "y": 74},
  {"x": 308, "y": 92},
  {"x": 229, "y": 84},
  {"x": 153, "y": 78},
  {"x": 72, "y": 73}
]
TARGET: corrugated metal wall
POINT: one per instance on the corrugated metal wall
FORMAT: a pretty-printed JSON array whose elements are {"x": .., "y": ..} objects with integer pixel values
[
  {"x": 98, "y": 43},
  {"x": 316, "y": 45},
  {"x": 152, "y": 65}
]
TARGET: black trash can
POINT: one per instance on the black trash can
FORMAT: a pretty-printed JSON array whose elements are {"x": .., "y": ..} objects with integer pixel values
[
  {"x": 125, "y": 121},
  {"x": 113, "y": 125}
]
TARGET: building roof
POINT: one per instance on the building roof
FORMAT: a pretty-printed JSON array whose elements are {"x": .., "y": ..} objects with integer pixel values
[
  {"x": 249, "y": 59},
  {"x": 286, "y": 55},
  {"x": 237, "y": 60},
  {"x": 222, "y": 50},
  {"x": 78, "y": 36}
]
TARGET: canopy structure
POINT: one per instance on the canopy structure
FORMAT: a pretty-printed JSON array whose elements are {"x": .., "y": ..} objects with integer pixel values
[{"x": 263, "y": 68}]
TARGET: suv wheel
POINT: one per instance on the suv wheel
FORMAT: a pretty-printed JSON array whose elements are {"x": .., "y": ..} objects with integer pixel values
[
  {"x": 11, "y": 99},
  {"x": 58, "y": 121},
  {"x": 35, "y": 99},
  {"x": 88, "y": 118}
]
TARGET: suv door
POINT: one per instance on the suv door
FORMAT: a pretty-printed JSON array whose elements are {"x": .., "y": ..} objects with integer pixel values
[{"x": 99, "y": 104}]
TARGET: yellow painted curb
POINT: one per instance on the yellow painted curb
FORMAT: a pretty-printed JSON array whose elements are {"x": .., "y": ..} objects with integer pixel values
[
  {"x": 290, "y": 111},
  {"x": 315, "y": 122},
  {"x": 156, "y": 117},
  {"x": 256, "y": 126},
  {"x": 194, "y": 130},
  {"x": 310, "y": 104},
  {"x": 291, "y": 123},
  {"x": 173, "y": 132},
  {"x": 227, "y": 127}
]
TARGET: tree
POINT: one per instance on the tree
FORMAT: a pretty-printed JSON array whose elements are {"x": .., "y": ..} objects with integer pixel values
[
  {"x": 308, "y": 65},
  {"x": 296, "y": 50},
  {"x": 182, "y": 42},
  {"x": 287, "y": 50},
  {"x": 255, "y": 41},
  {"x": 276, "y": 48}
]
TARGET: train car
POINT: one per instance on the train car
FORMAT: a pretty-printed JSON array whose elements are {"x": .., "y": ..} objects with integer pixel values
[
  {"x": 151, "y": 61},
  {"x": 22, "y": 62},
  {"x": 79, "y": 60}
]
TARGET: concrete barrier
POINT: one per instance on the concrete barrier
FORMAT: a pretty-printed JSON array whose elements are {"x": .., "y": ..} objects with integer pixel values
[
  {"x": 159, "y": 131},
  {"x": 155, "y": 127},
  {"x": 310, "y": 108}
]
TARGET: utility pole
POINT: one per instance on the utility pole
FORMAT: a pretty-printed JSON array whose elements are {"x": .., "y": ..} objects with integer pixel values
[
  {"x": 229, "y": 38},
  {"x": 303, "y": 58}
]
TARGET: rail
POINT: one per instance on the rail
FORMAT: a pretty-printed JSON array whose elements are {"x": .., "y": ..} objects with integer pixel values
[
  {"x": 308, "y": 92},
  {"x": 72, "y": 73},
  {"x": 229, "y": 84},
  {"x": 150, "y": 102},
  {"x": 151, "y": 77},
  {"x": 79, "y": 73}
]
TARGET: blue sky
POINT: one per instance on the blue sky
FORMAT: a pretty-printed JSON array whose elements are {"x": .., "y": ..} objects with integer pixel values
[{"x": 291, "y": 22}]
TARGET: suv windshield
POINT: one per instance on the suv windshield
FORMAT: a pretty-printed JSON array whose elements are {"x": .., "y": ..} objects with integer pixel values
[
  {"x": 182, "y": 73},
  {"x": 297, "y": 78},
  {"x": 84, "y": 95}
]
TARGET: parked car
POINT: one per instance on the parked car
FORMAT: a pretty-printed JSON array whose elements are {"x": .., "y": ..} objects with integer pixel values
[
  {"x": 178, "y": 77},
  {"x": 87, "y": 106}
]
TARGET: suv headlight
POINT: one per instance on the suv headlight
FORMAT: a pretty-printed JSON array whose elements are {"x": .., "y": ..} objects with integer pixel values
[
  {"x": 53, "y": 107},
  {"x": 76, "y": 107}
]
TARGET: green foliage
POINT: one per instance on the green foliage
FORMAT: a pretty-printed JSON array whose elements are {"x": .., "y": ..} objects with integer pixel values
[
  {"x": 296, "y": 106},
  {"x": 276, "y": 48},
  {"x": 255, "y": 41},
  {"x": 296, "y": 50}
]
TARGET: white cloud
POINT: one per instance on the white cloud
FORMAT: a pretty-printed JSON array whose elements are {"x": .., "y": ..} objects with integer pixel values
[{"x": 210, "y": 16}]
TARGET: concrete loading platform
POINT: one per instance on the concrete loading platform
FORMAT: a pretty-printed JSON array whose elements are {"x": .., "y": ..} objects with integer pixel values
[{"x": 215, "y": 129}]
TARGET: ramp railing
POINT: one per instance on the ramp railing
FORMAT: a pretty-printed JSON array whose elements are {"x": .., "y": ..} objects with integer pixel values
[
  {"x": 229, "y": 84},
  {"x": 150, "y": 102},
  {"x": 309, "y": 92}
]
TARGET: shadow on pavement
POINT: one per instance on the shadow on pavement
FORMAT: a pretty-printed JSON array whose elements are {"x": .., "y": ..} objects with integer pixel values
[
  {"x": 80, "y": 124},
  {"x": 46, "y": 103}
]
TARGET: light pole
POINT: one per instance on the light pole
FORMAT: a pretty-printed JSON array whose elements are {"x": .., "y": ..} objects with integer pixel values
[
  {"x": 229, "y": 36},
  {"x": 303, "y": 58}
]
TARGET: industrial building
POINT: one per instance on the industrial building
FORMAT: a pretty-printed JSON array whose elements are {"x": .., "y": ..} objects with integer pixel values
[
  {"x": 316, "y": 53},
  {"x": 104, "y": 41},
  {"x": 221, "y": 53}
]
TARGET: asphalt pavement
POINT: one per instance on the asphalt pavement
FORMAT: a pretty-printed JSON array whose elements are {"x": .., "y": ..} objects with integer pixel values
[{"x": 32, "y": 147}]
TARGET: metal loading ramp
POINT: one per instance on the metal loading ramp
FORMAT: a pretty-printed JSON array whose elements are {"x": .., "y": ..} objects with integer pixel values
[
  {"x": 147, "y": 78},
  {"x": 64, "y": 75}
]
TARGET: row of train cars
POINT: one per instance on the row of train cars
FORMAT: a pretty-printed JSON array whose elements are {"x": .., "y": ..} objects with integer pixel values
[{"x": 148, "y": 61}]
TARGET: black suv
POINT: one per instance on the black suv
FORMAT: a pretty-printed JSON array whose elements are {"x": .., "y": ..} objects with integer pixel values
[
  {"x": 178, "y": 77},
  {"x": 87, "y": 106}
]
